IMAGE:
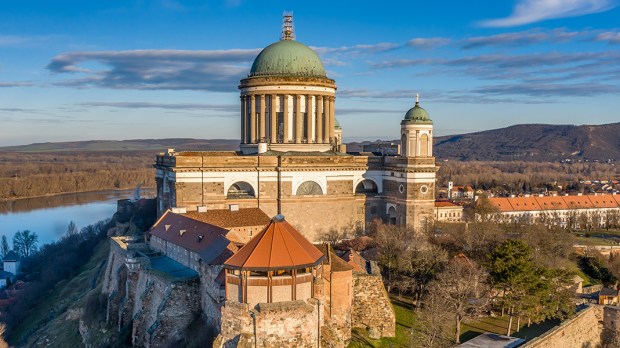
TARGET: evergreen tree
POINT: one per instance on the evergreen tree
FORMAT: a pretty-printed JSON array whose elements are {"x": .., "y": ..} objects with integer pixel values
[{"x": 4, "y": 248}]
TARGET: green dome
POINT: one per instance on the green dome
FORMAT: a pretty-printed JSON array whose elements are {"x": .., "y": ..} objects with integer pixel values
[
  {"x": 288, "y": 58},
  {"x": 417, "y": 115},
  {"x": 336, "y": 124}
]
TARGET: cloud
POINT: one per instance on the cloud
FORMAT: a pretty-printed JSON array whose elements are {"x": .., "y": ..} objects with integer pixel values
[
  {"x": 531, "y": 11},
  {"x": 612, "y": 37},
  {"x": 550, "y": 90},
  {"x": 215, "y": 70},
  {"x": 354, "y": 111},
  {"x": 428, "y": 42},
  {"x": 533, "y": 36},
  {"x": 169, "y": 106},
  {"x": 358, "y": 49},
  {"x": 15, "y": 84}
]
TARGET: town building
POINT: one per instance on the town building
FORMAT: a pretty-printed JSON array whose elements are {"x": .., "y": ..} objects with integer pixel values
[
  {"x": 11, "y": 262},
  {"x": 581, "y": 211},
  {"x": 291, "y": 159},
  {"x": 446, "y": 211}
]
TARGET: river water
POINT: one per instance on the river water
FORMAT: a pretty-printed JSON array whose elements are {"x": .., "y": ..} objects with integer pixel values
[{"x": 49, "y": 216}]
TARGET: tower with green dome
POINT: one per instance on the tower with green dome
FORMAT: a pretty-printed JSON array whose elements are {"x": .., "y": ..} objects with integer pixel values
[
  {"x": 287, "y": 100},
  {"x": 416, "y": 131}
]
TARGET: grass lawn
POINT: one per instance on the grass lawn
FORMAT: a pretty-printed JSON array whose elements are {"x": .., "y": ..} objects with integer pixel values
[
  {"x": 594, "y": 241},
  {"x": 474, "y": 327},
  {"x": 405, "y": 320}
]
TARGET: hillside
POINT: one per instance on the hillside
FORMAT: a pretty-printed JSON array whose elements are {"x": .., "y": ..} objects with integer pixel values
[
  {"x": 147, "y": 145},
  {"x": 534, "y": 142}
]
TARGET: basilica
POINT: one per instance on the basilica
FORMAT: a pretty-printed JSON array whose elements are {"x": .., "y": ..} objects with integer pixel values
[{"x": 291, "y": 159}]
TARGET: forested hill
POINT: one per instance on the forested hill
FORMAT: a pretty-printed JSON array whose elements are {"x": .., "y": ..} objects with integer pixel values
[
  {"x": 534, "y": 142},
  {"x": 151, "y": 145}
]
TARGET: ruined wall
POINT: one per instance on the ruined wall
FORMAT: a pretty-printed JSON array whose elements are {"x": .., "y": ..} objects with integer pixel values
[
  {"x": 282, "y": 324},
  {"x": 162, "y": 309},
  {"x": 611, "y": 327},
  {"x": 582, "y": 331},
  {"x": 372, "y": 309}
]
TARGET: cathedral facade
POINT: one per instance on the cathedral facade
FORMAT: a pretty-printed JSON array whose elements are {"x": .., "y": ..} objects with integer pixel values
[{"x": 291, "y": 160}]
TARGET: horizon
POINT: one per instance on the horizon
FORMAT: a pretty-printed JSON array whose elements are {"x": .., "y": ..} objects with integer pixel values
[{"x": 75, "y": 71}]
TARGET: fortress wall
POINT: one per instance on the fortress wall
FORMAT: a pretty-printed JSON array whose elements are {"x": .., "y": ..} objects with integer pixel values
[
  {"x": 282, "y": 324},
  {"x": 582, "y": 331},
  {"x": 371, "y": 306}
]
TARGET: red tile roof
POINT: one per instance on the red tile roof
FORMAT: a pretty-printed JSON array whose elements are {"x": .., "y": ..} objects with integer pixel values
[
  {"x": 207, "y": 240},
  {"x": 555, "y": 202},
  {"x": 278, "y": 246},
  {"x": 228, "y": 219},
  {"x": 443, "y": 204}
]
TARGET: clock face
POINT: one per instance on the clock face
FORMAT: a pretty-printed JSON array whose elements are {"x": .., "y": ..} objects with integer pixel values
[{"x": 424, "y": 189}]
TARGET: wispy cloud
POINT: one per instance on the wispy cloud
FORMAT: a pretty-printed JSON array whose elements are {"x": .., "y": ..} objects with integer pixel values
[
  {"x": 534, "y": 36},
  {"x": 531, "y": 11},
  {"x": 550, "y": 90},
  {"x": 169, "y": 106},
  {"x": 216, "y": 70},
  {"x": 612, "y": 37},
  {"x": 15, "y": 84},
  {"x": 428, "y": 42}
]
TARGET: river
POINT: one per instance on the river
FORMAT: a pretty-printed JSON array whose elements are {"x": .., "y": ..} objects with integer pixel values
[{"x": 49, "y": 216}]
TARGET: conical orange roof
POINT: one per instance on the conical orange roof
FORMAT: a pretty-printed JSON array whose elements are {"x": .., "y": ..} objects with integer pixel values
[{"x": 278, "y": 246}]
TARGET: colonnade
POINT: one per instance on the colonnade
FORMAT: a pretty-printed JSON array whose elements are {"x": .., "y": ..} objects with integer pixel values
[{"x": 287, "y": 118}]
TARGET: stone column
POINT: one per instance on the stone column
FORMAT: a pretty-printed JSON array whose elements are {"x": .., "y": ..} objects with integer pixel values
[
  {"x": 319, "y": 116},
  {"x": 309, "y": 113},
  {"x": 326, "y": 119},
  {"x": 286, "y": 133},
  {"x": 263, "y": 118},
  {"x": 244, "y": 119},
  {"x": 252, "y": 119},
  {"x": 332, "y": 117},
  {"x": 430, "y": 143},
  {"x": 298, "y": 119},
  {"x": 273, "y": 133}
]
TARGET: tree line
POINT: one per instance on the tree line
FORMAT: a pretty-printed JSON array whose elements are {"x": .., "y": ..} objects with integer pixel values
[
  {"x": 521, "y": 177},
  {"x": 38, "y": 174}
]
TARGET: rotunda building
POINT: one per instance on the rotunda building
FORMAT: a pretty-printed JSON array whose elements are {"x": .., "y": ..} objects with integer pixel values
[{"x": 287, "y": 100}]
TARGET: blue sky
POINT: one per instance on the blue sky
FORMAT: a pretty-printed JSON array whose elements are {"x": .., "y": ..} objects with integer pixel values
[{"x": 81, "y": 70}]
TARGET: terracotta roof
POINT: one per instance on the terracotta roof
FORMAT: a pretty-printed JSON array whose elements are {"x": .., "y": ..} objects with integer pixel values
[
  {"x": 355, "y": 260},
  {"x": 445, "y": 204},
  {"x": 207, "y": 240},
  {"x": 333, "y": 260},
  {"x": 555, "y": 202},
  {"x": 277, "y": 246},
  {"x": 551, "y": 203},
  {"x": 524, "y": 203},
  {"x": 228, "y": 219},
  {"x": 501, "y": 203}
]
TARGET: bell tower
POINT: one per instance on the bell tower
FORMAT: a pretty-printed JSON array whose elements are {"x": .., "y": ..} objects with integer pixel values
[{"x": 416, "y": 132}]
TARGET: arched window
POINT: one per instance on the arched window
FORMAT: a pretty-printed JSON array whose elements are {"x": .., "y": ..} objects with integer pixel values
[
  {"x": 309, "y": 188},
  {"x": 366, "y": 187},
  {"x": 240, "y": 189},
  {"x": 392, "y": 216},
  {"x": 424, "y": 145}
]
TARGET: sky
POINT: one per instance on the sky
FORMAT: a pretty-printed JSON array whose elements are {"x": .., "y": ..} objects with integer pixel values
[{"x": 83, "y": 70}]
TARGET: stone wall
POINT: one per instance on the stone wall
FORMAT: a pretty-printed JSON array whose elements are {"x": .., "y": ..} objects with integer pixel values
[
  {"x": 162, "y": 309},
  {"x": 372, "y": 309},
  {"x": 582, "y": 331},
  {"x": 283, "y": 324}
]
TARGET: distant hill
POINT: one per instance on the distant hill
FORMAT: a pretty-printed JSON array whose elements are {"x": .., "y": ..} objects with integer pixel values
[
  {"x": 150, "y": 145},
  {"x": 525, "y": 142},
  {"x": 534, "y": 142}
]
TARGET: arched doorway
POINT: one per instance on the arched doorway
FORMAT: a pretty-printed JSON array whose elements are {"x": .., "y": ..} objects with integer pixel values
[{"x": 366, "y": 187}]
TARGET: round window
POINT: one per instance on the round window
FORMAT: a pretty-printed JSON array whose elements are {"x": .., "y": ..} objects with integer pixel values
[
  {"x": 424, "y": 189},
  {"x": 401, "y": 188}
]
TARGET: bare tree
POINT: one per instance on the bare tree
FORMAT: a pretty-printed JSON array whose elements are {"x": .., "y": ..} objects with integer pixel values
[
  {"x": 435, "y": 330},
  {"x": 25, "y": 243},
  {"x": 5, "y": 246},
  {"x": 463, "y": 290}
]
